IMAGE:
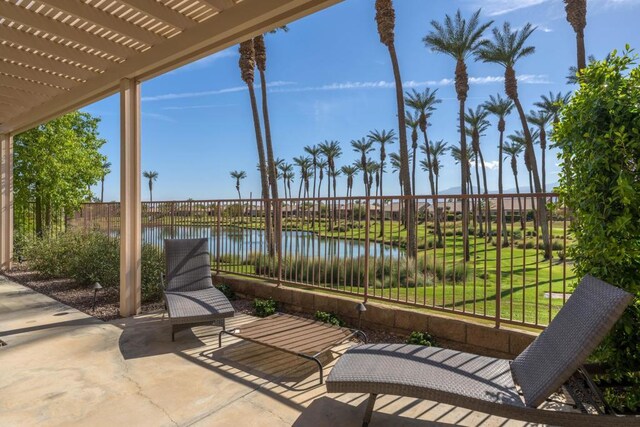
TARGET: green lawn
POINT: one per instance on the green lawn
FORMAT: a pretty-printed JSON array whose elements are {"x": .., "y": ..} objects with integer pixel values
[{"x": 525, "y": 275}]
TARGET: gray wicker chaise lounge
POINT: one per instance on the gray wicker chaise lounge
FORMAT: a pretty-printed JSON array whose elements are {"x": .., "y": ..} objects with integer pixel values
[
  {"x": 189, "y": 294},
  {"x": 488, "y": 384}
]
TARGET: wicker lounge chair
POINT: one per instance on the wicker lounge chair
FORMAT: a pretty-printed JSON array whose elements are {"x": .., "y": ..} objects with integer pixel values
[
  {"x": 189, "y": 295},
  {"x": 487, "y": 384}
]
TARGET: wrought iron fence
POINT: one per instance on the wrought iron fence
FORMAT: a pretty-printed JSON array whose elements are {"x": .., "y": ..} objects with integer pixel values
[{"x": 358, "y": 246}]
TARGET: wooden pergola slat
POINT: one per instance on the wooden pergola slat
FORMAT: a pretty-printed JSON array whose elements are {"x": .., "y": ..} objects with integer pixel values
[
  {"x": 105, "y": 20},
  {"x": 32, "y": 41},
  {"x": 37, "y": 75},
  {"x": 44, "y": 63},
  {"x": 29, "y": 85},
  {"x": 158, "y": 11},
  {"x": 34, "y": 20}
]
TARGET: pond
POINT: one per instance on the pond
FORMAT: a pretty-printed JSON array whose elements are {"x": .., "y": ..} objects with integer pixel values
[{"x": 243, "y": 241}]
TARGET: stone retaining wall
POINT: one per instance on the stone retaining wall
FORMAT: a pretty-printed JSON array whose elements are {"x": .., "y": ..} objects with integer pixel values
[{"x": 454, "y": 332}]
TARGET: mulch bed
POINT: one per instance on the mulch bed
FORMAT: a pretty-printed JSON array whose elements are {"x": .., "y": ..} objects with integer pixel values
[
  {"x": 74, "y": 295},
  {"x": 80, "y": 297}
]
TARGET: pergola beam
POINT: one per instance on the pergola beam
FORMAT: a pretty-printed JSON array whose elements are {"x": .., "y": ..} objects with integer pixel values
[
  {"x": 246, "y": 19},
  {"x": 21, "y": 96},
  {"x": 43, "y": 23},
  {"x": 220, "y": 4},
  {"x": 105, "y": 20}
]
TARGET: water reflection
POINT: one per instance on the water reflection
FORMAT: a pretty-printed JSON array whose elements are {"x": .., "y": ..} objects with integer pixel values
[{"x": 243, "y": 241}]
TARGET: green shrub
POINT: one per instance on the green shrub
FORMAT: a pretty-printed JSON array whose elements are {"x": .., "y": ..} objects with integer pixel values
[
  {"x": 330, "y": 318},
  {"x": 557, "y": 245},
  {"x": 88, "y": 257},
  {"x": 599, "y": 139},
  {"x": 264, "y": 307},
  {"x": 561, "y": 255},
  {"x": 421, "y": 338},
  {"x": 152, "y": 266},
  {"x": 227, "y": 291}
]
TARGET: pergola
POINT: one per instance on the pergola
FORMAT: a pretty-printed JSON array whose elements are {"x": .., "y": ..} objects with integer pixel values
[{"x": 60, "y": 55}]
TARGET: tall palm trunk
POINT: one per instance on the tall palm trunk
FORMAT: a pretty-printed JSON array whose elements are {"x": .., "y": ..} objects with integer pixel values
[
  {"x": 477, "y": 203},
  {"x": 247, "y": 65},
  {"x": 501, "y": 128},
  {"x": 385, "y": 18},
  {"x": 514, "y": 168},
  {"x": 381, "y": 200},
  {"x": 414, "y": 151},
  {"x": 511, "y": 86},
  {"x": 577, "y": 17},
  {"x": 432, "y": 184},
  {"x": 261, "y": 61},
  {"x": 543, "y": 148},
  {"x": 486, "y": 192}
]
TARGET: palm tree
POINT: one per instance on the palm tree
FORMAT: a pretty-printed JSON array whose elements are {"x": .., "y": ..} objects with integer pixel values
[
  {"x": 424, "y": 105},
  {"x": 286, "y": 172},
  {"x": 238, "y": 175},
  {"x": 247, "y": 65},
  {"x": 385, "y": 18},
  {"x": 577, "y": 17},
  {"x": 412, "y": 123},
  {"x": 322, "y": 165},
  {"x": 506, "y": 48},
  {"x": 458, "y": 155},
  {"x": 260, "y": 50},
  {"x": 382, "y": 138},
  {"x": 304, "y": 164},
  {"x": 437, "y": 149},
  {"x": 314, "y": 152},
  {"x": 106, "y": 170},
  {"x": 394, "y": 160},
  {"x": 512, "y": 150},
  {"x": 331, "y": 151},
  {"x": 500, "y": 108},
  {"x": 349, "y": 171},
  {"x": 459, "y": 39},
  {"x": 477, "y": 120},
  {"x": 552, "y": 104},
  {"x": 541, "y": 119},
  {"x": 372, "y": 168},
  {"x": 151, "y": 176},
  {"x": 363, "y": 147}
]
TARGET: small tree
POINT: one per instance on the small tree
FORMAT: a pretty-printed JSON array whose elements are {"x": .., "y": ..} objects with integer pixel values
[
  {"x": 55, "y": 164},
  {"x": 599, "y": 135}
]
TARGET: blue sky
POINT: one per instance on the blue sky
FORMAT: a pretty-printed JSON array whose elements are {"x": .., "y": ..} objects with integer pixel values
[{"x": 331, "y": 79}]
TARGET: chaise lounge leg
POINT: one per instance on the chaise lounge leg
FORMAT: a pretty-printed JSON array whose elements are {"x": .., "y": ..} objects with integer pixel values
[{"x": 367, "y": 414}]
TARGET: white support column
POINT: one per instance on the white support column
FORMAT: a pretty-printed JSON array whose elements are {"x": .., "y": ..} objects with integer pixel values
[
  {"x": 130, "y": 199},
  {"x": 6, "y": 202}
]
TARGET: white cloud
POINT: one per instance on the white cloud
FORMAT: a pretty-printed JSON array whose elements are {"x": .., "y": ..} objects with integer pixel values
[
  {"x": 231, "y": 52},
  {"x": 182, "y": 95},
  {"x": 411, "y": 84},
  {"x": 157, "y": 116},
  {"x": 197, "y": 107},
  {"x": 501, "y": 7},
  {"x": 492, "y": 164}
]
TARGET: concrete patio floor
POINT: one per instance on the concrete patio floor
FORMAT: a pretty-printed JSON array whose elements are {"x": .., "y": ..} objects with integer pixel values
[{"x": 63, "y": 367}]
